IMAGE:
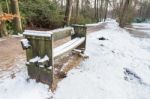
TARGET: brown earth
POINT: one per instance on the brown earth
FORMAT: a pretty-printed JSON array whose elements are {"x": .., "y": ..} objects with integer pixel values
[{"x": 10, "y": 50}]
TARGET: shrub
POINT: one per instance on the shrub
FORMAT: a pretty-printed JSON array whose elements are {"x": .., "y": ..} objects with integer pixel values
[{"x": 40, "y": 13}]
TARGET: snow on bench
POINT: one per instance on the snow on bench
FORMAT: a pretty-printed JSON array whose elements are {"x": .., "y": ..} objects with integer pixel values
[
  {"x": 68, "y": 46},
  {"x": 37, "y": 33}
]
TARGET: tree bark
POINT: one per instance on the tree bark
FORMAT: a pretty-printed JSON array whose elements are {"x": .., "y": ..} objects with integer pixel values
[
  {"x": 95, "y": 7},
  {"x": 68, "y": 12},
  {"x": 123, "y": 13},
  {"x": 101, "y": 10},
  {"x": 106, "y": 9},
  {"x": 3, "y": 29},
  {"x": 77, "y": 10},
  {"x": 16, "y": 20}
]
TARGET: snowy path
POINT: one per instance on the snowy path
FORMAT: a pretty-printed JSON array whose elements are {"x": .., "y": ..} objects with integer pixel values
[
  {"x": 141, "y": 30},
  {"x": 117, "y": 68}
]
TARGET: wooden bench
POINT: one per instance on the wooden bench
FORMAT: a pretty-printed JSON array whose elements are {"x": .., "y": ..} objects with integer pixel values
[{"x": 41, "y": 53}]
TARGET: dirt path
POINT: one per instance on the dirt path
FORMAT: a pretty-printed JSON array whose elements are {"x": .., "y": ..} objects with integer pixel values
[{"x": 11, "y": 50}]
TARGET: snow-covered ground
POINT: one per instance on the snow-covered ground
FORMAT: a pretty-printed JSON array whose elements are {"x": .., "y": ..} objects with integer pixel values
[
  {"x": 14, "y": 85},
  {"x": 117, "y": 68},
  {"x": 143, "y": 27}
]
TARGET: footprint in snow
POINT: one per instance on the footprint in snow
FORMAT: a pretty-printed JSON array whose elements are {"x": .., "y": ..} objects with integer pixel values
[{"x": 132, "y": 77}]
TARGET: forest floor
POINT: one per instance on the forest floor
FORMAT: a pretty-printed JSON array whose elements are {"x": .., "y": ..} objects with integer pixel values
[{"x": 10, "y": 51}]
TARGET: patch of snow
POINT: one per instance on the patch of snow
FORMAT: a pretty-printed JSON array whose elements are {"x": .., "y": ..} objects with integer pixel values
[
  {"x": 25, "y": 43},
  {"x": 141, "y": 25},
  {"x": 46, "y": 58},
  {"x": 61, "y": 29},
  {"x": 19, "y": 35},
  {"x": 18, "y": 87},
  {"x": 94, "y": 24},
  {"x": 1, "y": 39},
  {"x": 36, "y": 59},
  {"x": 46, "y": 33},
  {"x": 37, "y": 33},
  {"x": 68, "y": 46}
]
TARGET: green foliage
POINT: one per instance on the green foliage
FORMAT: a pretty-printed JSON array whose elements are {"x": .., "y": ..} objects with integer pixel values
[
  {"x": 40, "y": 13},
  {"x": 81, "y": 20},
  {"x": 45, "y": 14}
]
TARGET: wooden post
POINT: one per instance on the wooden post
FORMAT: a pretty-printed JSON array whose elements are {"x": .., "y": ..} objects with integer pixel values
[
  {"x": 80, "y": 31},
  {"x": 40, "y": 47}
]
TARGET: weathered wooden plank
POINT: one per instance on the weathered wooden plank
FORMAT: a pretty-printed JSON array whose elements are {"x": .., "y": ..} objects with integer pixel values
[
  {"x": 62, "y": 33},
  {"x": 29, "y": 52},
  {"x": 41, "y": 47},
  {"x": 80, "y": 31},
  {"x": 57, "y": 33},
  {"x": 69, "y": 46}
]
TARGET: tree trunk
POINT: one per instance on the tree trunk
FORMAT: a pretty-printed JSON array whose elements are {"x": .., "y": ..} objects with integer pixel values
[
  {"x": 123, "y": 13},
  {"x": 68, "y": 12},
  {"x": 16, "y": 20},
  {"x": 97, "y": 14},
  {"x": 62, "y": 4},
  {"x": 106, "y": 9},
  {"x": 77, "y": 10},
  {"x": 3, "y": 30},
  {"x": 101, "y": 10}
]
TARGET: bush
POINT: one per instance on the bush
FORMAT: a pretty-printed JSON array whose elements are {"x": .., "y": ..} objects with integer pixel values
[{"x": 40, "y": 13}]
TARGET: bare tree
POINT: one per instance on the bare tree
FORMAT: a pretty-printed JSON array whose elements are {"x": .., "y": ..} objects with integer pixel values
[
  {"x": 123, "y": 11},
  {"x": 3, "y": 30},
  {"x": 77, "y": 10},
  {"x": 106, "y": 9},
  {"x": 16, "y": 20},
  {"x": 68, "y": 12}
]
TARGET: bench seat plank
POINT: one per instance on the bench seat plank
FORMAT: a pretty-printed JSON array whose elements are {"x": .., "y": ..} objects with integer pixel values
[{"x": 68, "y": 46}]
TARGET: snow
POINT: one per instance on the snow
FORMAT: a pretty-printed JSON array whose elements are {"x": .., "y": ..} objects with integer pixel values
[
  {"x": 36, "y": 59},
  {"x": 2, "y": 39},
  {"x": 25, "y": 43},
  {"x": 37, "y": 33},
  {"x": 117, "y": 68},
  {"x": 18, "y": 35},
  {"x": 68, "y": 46},
  {"x": 141, "y": 25},
  {"x": 62, "y": 29},
  {"x": 94, "y": 24},
  {"x": 104, "y": 75},
  {"x": 21, "y": 88},
  {"x": 46, "y": 33},
  {"x": 46, "y": 58}
]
